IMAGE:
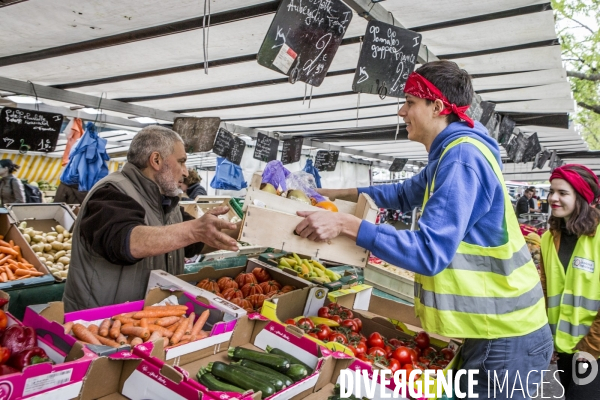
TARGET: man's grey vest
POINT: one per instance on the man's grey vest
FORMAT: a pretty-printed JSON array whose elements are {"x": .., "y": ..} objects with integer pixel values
[{"x": 93, "y": 281}]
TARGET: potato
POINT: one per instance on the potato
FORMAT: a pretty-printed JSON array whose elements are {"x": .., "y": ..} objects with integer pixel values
[
  {"x": 39, "y": 254},
  {"x": 60, "y": 237},
  {"x": 29, "y": 231},
  {"x": 57, "y": 274},
  {"x": 37, "y": 248},
  {"x": 49, "y": 264},
  {"x": 27, "y": 238},
  {"x": 39, "y": 238},
  {"x": 63, "y": 274},
  {"x": 23, "y": 225},
  {"x": 53, "y": 270},
  {"x": 47, "y": 247},
  {"x": 64, "y": 260},
  {"x": 57, "y": 245},
  {"x": 49, "y": 257},
  {"x": 59, "y": 254},
  {"x": 52, "y": 234},
  {"x": 66, "y": 234},
  {"x": 67, "y": 246},
  {"x": 59, "y": 228}
]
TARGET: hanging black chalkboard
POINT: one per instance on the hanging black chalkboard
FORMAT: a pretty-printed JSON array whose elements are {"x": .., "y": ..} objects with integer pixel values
[
  {"x": 475, "y": 110},
  {"x": 507, "y": 126},
  {"x": 542, "y": 158},
  {"x": 326, "y": 160},
  {"x": 533, "y": 147},
  {"x": 292, "y": 150},
  {"x": 266, "y": 148},
  {"x": 398, "y": 164},
  {"x": 237, "y": 150},
  {"x": 223, "y": 143},
  {"x": 487, "y": 108},
  {"x": 388, "y": 56},
  {"x": 29, "y": 130},
  {"x": 198, "y": 134},
  {"x": 304, "y": 37}
]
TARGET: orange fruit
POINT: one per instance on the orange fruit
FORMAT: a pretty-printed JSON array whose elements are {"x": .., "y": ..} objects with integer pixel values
[{"x": 327, "y": 205}]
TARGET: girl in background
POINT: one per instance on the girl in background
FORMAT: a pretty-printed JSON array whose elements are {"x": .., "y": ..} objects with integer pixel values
[{"x": 11, "y": 188}]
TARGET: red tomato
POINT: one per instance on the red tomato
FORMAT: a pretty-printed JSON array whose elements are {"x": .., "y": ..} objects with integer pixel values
[
  {"x": 394, "y": 365},
  {"x": 305, "y": 324},
  {"x": 336, "y": 318},
  {"x": 408, "y": 368},
  {"x": 417, "y": 352},
  {"x": 324, "y": 312},
  {"x": 358, "y": 323},
  {"x": 290, "y": 321},
  {"x": 338, "y": 337},
  {"x": 333, "y": 306},
  {"x": 363, "y": 338},
  {"x": 396, "y": 343},
  {"x": 424, "y": 360},
  {"x": 403, "y": 354},
  {"x": 429, "y": 352},
  {"x": 442, "y": 363},
  {"x": 345, "y": 313},
  {"x": 447, "y": 353},
  {"x": 314, "y": 335},
  {"x": 365, "y": 358},
  {"x": 323, "y": 331},
  {"x": 376, "y": 351},
  {"x": 349, "y": 323},
  {"x": 361, "y": 348},
  {"x": 422, "y": 340},
  {"x": 354, "y": 337},
  {"x": 375, "y": 340},
  {"x": 388, "y": 351}
]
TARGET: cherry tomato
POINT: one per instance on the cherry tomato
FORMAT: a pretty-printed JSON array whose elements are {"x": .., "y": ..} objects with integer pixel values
[
  {"x": 349, "y": 323},
  {"x": 323, "y": 331},
  {"x": 336, "y": 318},
  {"x": 324, "y": 312},
  {"x": 290, "y": 321},
  {"x": 305, "y": 324},
  {"x": 375, "y": 340},
  {"x": 376, "y": 351},
  {"x": 358, "y": 323},
  {"x": 338, "y": 337},
  {"x": 403, "y": 354},
  {"x": 447, "y": 353},
  {"x": 429, "y": 352},
  {"x": 422, "y": 340},
  {"x": 394, "y": 365}
]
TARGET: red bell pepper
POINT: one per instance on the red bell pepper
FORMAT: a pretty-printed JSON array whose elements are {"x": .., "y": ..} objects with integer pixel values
[
  {"x": 7, "y": 370},
  {"x": 18, "y": 338},
  {"x": 31, "y": 356}
]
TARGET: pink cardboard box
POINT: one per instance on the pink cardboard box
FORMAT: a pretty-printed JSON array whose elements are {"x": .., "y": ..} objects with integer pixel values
[{"x": 61, "y": 380}]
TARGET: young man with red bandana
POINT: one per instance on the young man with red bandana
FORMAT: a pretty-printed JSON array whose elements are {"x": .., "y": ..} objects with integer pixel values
[{"x": 475, "y": 279}]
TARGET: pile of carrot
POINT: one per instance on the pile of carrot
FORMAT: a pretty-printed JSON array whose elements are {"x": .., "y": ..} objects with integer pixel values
[
  {"x": 12, "y": 264},
  {"x": 150, "y": 324}
]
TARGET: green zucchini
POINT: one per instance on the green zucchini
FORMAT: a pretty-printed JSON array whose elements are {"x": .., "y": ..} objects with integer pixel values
[
  {"x": 289, "y": 357},
  {"x": 234, "y": 375},
  {"x": 212, "y": 383},
  {"x": 274, "y": 361},
  {"x": 297, "y": 372},
  {"x": 265, "y": 376},
  {"x": 259, "y": 367}
]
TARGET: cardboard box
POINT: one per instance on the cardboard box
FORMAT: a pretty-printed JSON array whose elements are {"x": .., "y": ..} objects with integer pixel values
[
  {"x": 280, "y": 212},
  {"x": 219, "y": 324},
  {"x": 256, "y": 334},
  {"x": 43, "y": 217},
  {"x": 197, "y": 210},
  {"x": 243, "y": 251},
  {"x": 63, "y": 380},
  {"x": 399, "y": 285},
  {"x": 11, "y": 232}
]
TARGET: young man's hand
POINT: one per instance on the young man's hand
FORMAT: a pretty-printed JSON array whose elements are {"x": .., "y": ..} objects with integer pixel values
[{"x": 322, "y": 226}]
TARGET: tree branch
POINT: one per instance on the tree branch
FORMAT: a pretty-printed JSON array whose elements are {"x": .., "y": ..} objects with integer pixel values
[
  {"x": 592, "y": 107},
  {"x": 582, "y": 25},
  {"x": 581, "y": 75}
]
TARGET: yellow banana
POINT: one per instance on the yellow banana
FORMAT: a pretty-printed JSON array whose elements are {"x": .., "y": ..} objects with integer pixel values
[{"x": 325, "y": 321}]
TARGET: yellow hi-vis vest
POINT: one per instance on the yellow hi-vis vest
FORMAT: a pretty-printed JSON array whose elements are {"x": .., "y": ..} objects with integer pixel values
[
  {"x": 574, "y": 297},
  {"x": 485, "y": 292}
]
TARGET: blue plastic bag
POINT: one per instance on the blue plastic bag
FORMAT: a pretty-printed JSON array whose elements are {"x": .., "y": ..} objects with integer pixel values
[
  {"x": 311, "y": 169},
  {"x": 228, "y": 176}
]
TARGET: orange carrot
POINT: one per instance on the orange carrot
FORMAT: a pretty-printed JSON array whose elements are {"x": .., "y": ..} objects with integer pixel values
[
  {"x": 144, "y": 323},
  {"x": 3, "y": 277},
  {"x": 8, "y": 250},
  {"x": 126, "y": 320},
  {"x": 93, "y": 328},
  {"x": 155, "y": 336},
  {"x": 169, "y": 307},
  {"x": 12, "y": 263},
  {"x": 23, "y": 277},
  {"x": 190, "y": 322},
  {"x": 202, "y": 335},
  {"x": 121, "y": 339},
  {"x": 68, "y": 326},
  {"x": 163, "y": 331},
  {"x": 107, "y": 341},
  {"x": 200, "y": 323},
  {"x": 174, "y": 327},
  {"x": 12, "y": 244},
  {"x": 176, "y": 338},
  {"x": 83, "y": 334},
  {"x": 104, "y": 327},
  {"x": 19, "y": 256},
  {"x": 158, "y": 313},
  {"x": 5, "y": 259},
  {"x": 136, "y": 340},
  {"x": 115, "y": 330},
  {"x": 21, "y": 272},
  {"x": 167, "y": 321},
  {"x": 10, "y": 274},
  {"x": 190, "y": 338},
  {"x": 3, "y": 243},
  {"x": 127, "y": 315},
  {"x": 136, "y": 331}
]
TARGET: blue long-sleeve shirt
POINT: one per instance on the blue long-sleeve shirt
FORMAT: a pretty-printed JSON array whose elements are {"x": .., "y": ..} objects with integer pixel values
[{"x": 467, "y": 204}]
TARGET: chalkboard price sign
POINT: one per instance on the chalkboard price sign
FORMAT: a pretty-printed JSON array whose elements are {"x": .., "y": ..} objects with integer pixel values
[
  {"x": 398, "y": 164},
  {"x": 533, "y": 148},
  {"x": 304, "y": 37},
  {"x": 326, "y": 160},
  {"x": 237, "y": 150},
  {"x": 223, "y": 143},
  {"x": 388, "y": 56},
  {"x": 29, "y": 130},
  {"x": 266, "y": 148},
  {"x": 292, "y": 150},
  {"x": 506, "y": 129}
]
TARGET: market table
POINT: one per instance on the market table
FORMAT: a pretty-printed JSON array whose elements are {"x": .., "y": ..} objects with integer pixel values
[{"x": 21, "y": 298}]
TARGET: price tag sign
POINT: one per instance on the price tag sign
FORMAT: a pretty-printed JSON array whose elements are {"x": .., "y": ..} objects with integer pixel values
[
  {"x": 29, "y": 130},
  {"x": 266, "y": 148}
]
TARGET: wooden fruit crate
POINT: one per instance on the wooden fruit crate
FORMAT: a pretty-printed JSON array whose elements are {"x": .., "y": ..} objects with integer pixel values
[{"x": 401, "y": 286}]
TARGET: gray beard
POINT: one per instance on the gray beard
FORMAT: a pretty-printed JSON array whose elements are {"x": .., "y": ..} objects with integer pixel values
[{"x": 167, "y": 182}]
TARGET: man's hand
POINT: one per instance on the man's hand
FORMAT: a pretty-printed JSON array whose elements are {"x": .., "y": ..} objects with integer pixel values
[
  {"x": 207, "y": 229},
  {"x": 342, "y": 194},
  {"x": 322, "y": 226}
]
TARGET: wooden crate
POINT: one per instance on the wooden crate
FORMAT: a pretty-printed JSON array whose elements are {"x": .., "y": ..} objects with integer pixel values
[
  {"x": 272, "y": 223},
  {"x": 197, "y": 210},
  {"x": 401, "y": 286}
]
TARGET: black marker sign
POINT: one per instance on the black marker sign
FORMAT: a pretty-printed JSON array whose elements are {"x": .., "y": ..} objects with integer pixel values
[
  {"x": 326, "y": 160},
  {"x": 237, "y": 150},
  {"x": 398, "y": 164},
  {"x": 266, "y": 148},
  {"x": 304, "y": 37},
  {"x": 292, "y": 150},
  {"x": 228, "y": 146},
  {"x": 388, "y": 56},
  {"x": 29, "y": 130}
]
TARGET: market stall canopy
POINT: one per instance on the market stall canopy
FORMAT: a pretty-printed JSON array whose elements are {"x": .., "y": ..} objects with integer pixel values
[{"x": 150, "y": 53}]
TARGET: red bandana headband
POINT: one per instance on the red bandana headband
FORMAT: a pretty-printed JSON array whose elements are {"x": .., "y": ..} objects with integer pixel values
[
  {"x": 420, "y": 87},
  {"x": 579, "y": 184}
]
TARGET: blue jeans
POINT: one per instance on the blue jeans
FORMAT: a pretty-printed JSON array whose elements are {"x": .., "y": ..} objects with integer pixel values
[{"x": 508, "y": 362}]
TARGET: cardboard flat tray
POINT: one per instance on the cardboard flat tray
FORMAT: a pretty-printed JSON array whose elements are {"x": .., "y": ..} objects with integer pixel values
[
  {"x": 388, "y": 282},
  {"x": 43, "y": 217}
]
